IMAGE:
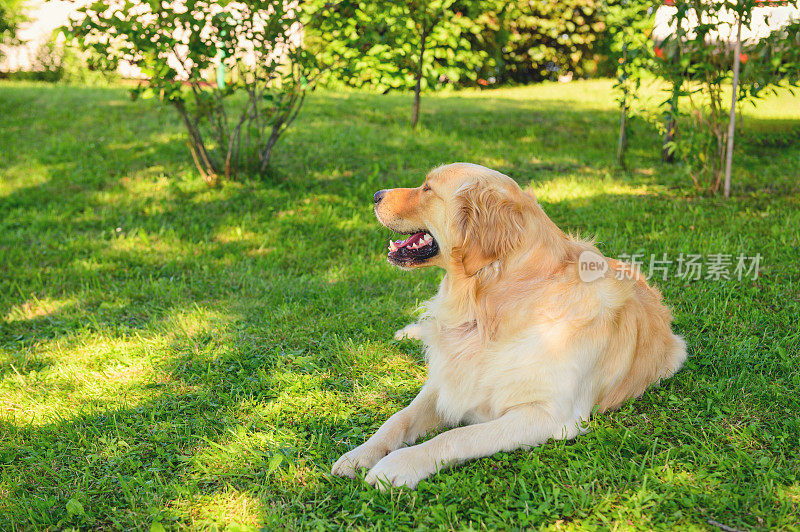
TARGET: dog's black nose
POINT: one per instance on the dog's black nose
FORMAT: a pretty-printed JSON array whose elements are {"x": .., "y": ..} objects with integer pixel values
[{"x": 378, "y": 196}]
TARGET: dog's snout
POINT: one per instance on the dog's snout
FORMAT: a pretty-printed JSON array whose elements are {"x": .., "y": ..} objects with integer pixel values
[{"x": 378, "y": 196}]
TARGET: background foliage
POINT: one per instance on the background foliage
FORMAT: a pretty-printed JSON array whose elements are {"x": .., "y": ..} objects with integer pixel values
[
  {"x": 12, "y": 12},
  {"x": 534, "y": 40},
  {"x": 252, "y": 46},
  {"x": 476, "y": 43},
  {"x": 630, "y": 41},
  {"x": 697, "y": 66},
  {"x": 380, "y": 42}
]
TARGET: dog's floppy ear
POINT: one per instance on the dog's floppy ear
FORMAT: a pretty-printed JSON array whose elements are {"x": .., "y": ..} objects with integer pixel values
[{"x": 489, "y": 223}]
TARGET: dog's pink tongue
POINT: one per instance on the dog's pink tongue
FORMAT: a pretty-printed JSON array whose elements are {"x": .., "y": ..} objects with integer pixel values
[
  {"x": 413, "y": 239},
  {"x": 397, "y": 244}
]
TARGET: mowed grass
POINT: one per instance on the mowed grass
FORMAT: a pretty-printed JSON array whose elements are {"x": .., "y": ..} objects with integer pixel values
[{"x": 197, "y": 358}]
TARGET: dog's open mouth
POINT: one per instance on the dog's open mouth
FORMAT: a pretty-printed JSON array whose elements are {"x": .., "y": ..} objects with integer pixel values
[{"x": 416, "y": 249}]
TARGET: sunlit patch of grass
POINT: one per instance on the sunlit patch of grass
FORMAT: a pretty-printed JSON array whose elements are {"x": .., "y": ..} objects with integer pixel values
[
  {"x": 790, "y": 494},
  {"x": 227, "y": 509},
  {"x": 573, "y": 188},
  {"x": 101, "y": 374},
  {"x": 189, "y": 325},
  {"x": 29, "y": 173},
  {"x": 36, "y": 308}
]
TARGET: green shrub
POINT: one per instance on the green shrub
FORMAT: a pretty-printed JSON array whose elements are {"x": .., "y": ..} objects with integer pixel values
[
  {"x": 401, "y": 45},
  {"x": 12, "y": 13},
  {"x": 535, "y": 40},
  {"x": 235, "y": 72}
]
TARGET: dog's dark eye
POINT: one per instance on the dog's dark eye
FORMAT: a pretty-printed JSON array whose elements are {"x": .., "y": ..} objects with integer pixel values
[{"x": 426, "y": 187}]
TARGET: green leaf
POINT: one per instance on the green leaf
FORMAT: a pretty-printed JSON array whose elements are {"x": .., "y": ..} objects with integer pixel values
[
  {"x": 274, "y": 463},
  {"x": 75, "y": 508}
]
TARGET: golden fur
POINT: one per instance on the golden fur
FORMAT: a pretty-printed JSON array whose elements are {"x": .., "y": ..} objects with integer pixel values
[{"x": 517, "y": 345}]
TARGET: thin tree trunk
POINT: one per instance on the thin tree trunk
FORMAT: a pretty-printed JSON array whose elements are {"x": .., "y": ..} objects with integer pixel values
[
  {"x": 281, "y": 124},
  {"x": 668, "y": 152},
  {"x": 415, "y": 108},
  {"x": 231, "y": 163},
  {"x": 199, "y": 153},
  {"x": 726, "y": 188},
  {"x": 622, "y": 143},
  {"x": 722, "y": 156},
  {"x": 418, "y": 85},
  {"x": 267, "y": 151},
  {"x": 623, "y": 136}
]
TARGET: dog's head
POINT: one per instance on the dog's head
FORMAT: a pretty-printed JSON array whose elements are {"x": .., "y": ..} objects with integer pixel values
[{"x": 464, "y": 216}]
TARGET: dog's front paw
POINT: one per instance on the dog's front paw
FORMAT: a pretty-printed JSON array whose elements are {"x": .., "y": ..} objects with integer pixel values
[
  {"x": 412, "y": 330},
  {"x": 404, "y": 467},
  {"x": 363, "y": 456}
]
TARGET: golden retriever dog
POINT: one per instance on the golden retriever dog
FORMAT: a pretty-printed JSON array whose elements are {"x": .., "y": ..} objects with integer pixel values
[{"x": 530, "y": 328}]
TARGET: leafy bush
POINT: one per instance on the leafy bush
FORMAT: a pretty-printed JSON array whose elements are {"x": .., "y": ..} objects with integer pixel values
[
  {"x": 237, "y": 73},
  {"x": 12, "y": 13},
  {"x": 630, "y": 25},
  {"x": 535, "y": 40},
  {"x": 401, "y": 45}
]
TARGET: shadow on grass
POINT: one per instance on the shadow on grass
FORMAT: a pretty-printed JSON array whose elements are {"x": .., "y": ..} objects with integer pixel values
[{"x": 215, "y": 420}]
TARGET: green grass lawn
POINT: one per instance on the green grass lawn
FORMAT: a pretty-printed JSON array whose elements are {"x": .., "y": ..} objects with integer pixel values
[{"x": 199, "y": 357}]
